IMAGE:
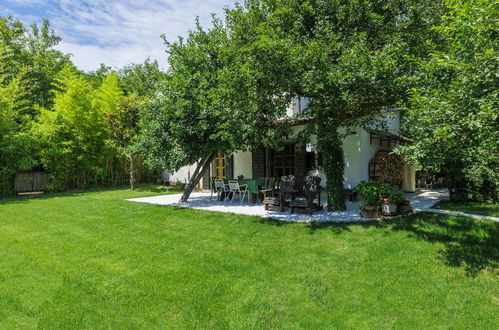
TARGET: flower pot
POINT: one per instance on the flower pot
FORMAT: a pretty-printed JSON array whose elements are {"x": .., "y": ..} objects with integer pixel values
[
  {"x": 370, "y": 211},
  {"x": 405, "y": 207},
  {"x": 389, "y": 209}
]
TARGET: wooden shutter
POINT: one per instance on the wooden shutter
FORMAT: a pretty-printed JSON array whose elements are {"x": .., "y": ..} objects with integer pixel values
[
  {"x": 206, "y": 179},
  {"x": 300, "y": 164},
  {"x": 229, "y": 167},
  {"x": 258, "y": 159}
]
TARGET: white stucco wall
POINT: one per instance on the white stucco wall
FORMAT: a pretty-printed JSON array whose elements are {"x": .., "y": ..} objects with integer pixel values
[
  {"x": 367, "y": 150},
  {"x": 357, "y": 152},
  {"x": 297, "y": 106},
  {"x": 243, "y": 164},
  {"x": 183, "y": 175},
  {"x": 351, "y": 156}
]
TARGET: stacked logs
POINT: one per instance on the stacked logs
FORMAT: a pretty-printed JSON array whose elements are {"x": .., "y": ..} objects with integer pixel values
[{"x": 386, "y": 168}]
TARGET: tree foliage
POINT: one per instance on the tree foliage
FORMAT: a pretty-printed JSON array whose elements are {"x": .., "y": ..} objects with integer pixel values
[
  {"x": 73, "y": 133},
  {"x": 452, "y": 113},
  {"x": 124, "y": 131},
  {"x": 352, "y": 58},
  {"x": 142, "y": 79},
  {"x": 204, "y": 106}
]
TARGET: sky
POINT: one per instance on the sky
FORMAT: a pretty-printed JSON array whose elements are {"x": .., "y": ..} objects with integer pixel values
[{"x": 115, "y": 32}]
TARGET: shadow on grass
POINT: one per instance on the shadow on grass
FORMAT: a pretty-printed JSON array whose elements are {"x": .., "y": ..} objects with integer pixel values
[{"x": 468, "y": 243}]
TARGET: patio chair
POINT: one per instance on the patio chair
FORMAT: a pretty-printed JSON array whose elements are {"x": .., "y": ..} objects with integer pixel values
[
  {"x": 236, "y": 188},
  {"x": 219, "y": 187},
  {"x": 280, "y": 202},
  {"x": 269, "y": 189},
  {"x": 305, "y": 201}
]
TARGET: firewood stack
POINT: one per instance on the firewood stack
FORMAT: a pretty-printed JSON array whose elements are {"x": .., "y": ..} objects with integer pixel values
[{"x": 386, "y": 168}]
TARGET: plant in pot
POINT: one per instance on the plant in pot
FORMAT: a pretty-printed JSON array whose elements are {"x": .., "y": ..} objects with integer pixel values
[
  {"x": 404, "y": 207},
  {"x": 369, "y": 193},
  {"x": 391, "y": 197}
]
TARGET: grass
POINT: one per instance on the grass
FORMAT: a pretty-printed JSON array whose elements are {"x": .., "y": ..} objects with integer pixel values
[
  {"x": 469, "y": 207},
  {"x": 92, "y": 260}
]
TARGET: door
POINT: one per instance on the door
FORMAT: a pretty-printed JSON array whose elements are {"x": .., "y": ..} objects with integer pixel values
[{"x": 219, "y": 166}]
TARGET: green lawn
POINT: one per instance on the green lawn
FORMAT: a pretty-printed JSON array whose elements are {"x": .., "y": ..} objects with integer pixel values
[
  {"x": 92, "y": 260},
  {"x": 469, "y": 207}
]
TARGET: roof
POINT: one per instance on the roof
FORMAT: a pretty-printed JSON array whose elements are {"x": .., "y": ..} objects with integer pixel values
[{"x": 393, "y": 136}]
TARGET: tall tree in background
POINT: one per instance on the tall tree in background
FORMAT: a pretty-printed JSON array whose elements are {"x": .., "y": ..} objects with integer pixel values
[
  {"x": 352, "y": 58},
  {"x": 453, "y": 114},
  {"x": 30, "y": 51},
  {"x": 73, "y": 132},
  {"x": 17, "y": 147},
  {"x": 28, "y": 65},
  {"x": 142, "y": 79},
  {"x": 124, "y": 130}
]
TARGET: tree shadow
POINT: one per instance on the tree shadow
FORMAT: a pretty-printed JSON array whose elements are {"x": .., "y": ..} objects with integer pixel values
[
  {"x": 469, "y": 243},
  {"x": 340, "y": 227}
]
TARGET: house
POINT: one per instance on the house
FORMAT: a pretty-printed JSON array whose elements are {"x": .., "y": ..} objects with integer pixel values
[{"x": 366, "y": 153}]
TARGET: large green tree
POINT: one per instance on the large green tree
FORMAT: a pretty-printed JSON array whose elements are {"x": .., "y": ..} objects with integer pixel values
[
  {"x": 28, "y": 65},
  {"x": 210, "y": 102},
  {"x": 351, "y": 57},
  {"x": 73, "y": 133},
  {"x": 453, "y": 113}
]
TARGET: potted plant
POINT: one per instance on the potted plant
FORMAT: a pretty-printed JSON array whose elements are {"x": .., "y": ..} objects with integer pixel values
[
  {"x": 404, "y": 207},
  {"x": 391, "y": 197},
  {"x": 369, "y": 192}
]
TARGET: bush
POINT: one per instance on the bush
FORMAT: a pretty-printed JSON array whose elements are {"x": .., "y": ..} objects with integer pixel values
[{"x": 370, "y": 193}]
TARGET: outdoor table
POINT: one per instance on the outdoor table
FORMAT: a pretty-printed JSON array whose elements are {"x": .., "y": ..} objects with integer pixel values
[{"x": 252, "y": 186}]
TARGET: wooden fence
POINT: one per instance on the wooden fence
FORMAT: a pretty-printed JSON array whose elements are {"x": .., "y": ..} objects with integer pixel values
[{"x": 31, "y": 182}]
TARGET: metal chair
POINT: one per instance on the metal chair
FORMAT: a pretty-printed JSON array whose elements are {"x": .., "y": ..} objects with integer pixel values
[
  {"x": 236, "y": 188},
  {"x": 219, "y": 187}
]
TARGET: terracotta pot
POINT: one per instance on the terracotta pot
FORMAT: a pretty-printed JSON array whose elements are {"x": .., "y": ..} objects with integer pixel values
[
  {"x": 370, "y": 214},
  {"x": 405, "y": 207}
]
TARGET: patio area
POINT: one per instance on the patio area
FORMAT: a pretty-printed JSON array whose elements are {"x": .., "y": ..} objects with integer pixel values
[{"x": 421, "y": 200}]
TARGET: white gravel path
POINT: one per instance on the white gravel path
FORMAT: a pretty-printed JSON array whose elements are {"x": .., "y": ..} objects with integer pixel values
[{"x": 421, "y": 201}]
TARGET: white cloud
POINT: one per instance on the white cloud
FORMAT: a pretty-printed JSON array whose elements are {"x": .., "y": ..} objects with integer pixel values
[{"x": 118, "y": 32}]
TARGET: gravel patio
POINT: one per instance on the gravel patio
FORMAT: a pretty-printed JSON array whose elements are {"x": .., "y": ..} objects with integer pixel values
[{"x": 421, "y": 200}]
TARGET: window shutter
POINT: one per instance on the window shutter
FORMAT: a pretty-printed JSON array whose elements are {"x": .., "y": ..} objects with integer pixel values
[
  {"x": 300, "y": 164},
  {"x": 229, "y": 166},
  {"x": 258, "y": 160}
]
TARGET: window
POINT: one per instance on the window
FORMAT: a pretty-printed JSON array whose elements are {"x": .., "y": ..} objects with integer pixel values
[
  {"x": 310, "y": 161},
  {"x": 284, "y": 161}
]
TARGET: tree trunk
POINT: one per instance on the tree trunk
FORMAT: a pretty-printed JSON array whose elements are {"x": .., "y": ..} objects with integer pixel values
[
  {"x": 201, "y": 167},
  {"x": 132, "y": 177},
  {"x": 330, "y": 144}
]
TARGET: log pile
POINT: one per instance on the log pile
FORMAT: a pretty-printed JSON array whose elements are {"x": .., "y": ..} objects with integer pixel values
[{"x": 386, "y": 168}]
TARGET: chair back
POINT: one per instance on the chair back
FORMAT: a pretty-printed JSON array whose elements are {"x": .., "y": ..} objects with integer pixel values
[
  {"x": 287, "y": 183},
  {"x": 233, "y": 185},
  {"x": 219, "y": 183},
  {"x": 312, "y": 186},
  {"x": 270, "y": 184}
]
